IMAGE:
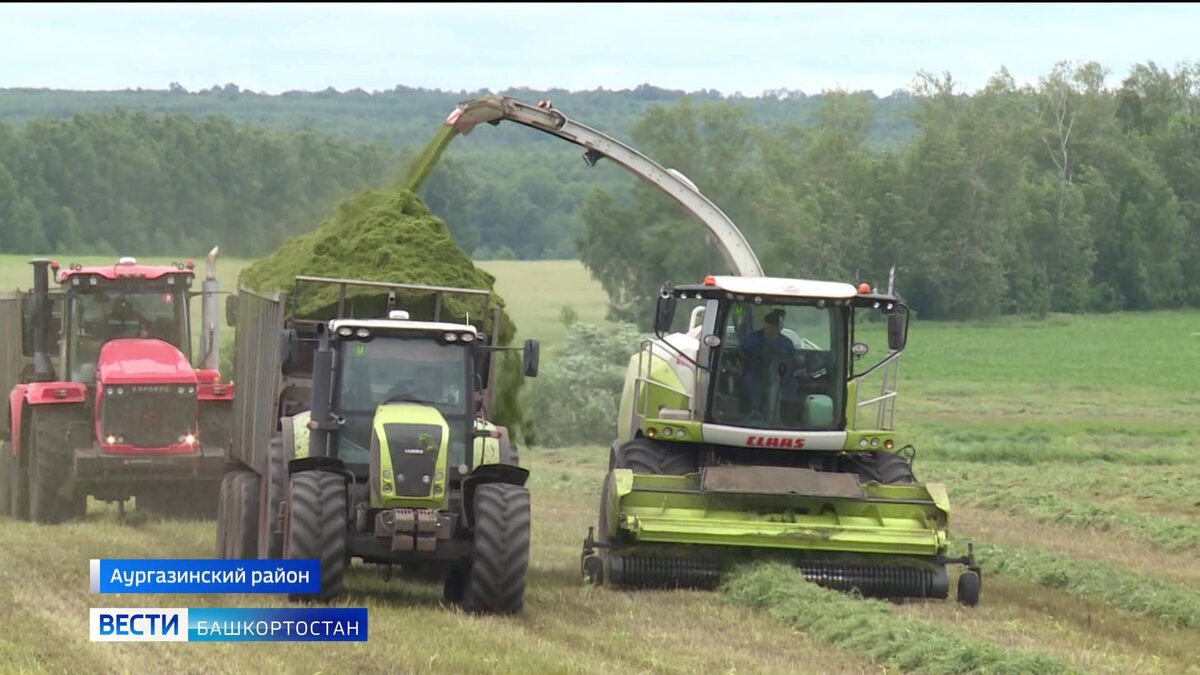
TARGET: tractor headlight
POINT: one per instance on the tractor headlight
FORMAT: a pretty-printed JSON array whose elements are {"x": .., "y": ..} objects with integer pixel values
[{"x": 109, "y": 391}]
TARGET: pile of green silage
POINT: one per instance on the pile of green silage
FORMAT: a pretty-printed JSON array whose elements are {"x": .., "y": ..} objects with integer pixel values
[{"x": 391, "y": 237}]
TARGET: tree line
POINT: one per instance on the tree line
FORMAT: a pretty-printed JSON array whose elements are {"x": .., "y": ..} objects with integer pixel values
[{"x": 1063, "y": 196}]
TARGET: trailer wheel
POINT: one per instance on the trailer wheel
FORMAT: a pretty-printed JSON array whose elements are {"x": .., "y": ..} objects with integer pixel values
[
  {"x": 500, "y": 555},
  {"x": 49, "y": 468},
  {"x": 643, "y": 455},
  {"x": 223, "y": 495},
  {"x": 238, "y": 503},
  {"x": 6, "y": 480},
  {"x": 316, "y": 527},
  {"x": 272, "y": 492}
]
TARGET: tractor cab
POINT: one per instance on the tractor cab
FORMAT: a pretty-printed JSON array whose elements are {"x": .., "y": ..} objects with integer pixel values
[
  {"x": 406, "y": 365},
  {"x": 122, "y": 301},
  {"x": 777, "y": 355}
]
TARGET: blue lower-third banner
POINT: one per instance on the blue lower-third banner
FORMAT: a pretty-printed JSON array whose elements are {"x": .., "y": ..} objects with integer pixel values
[{"x": 205, "y": 624}]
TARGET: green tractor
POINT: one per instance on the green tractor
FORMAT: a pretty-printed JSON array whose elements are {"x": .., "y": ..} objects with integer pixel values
[
  {"x": 764, "y": 430},
  {"x": 364, "y": 437}
]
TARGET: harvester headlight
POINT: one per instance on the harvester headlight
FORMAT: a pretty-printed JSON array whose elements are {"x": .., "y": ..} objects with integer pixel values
[
  {"x": 874, "y": 442},
  {"x": 425, "y": 479},
  {"x": 651, "y": 432},
  {"x": 345, "y": 331},
  {"x": 450, "y": 337},
  {"x": 362, "y": 333},
  {"x": 889, "y": 444},
  {"x": 468, "y": 337},
  {"x": 666, "y": 432},
  {"x": 712, "y": 340},
  {"x": 862, "y": 442},
  {"x": 462, "y": 469}
]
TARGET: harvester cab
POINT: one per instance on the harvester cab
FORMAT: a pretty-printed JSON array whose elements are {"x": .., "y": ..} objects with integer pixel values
[
  {"x": 763, "y": 428},
  {"x": 105, "y": 399},
  {"x": 395, "y": 446}
]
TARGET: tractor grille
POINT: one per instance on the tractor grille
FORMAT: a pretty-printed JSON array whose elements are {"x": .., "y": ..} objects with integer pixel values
[
  {"x": 149, "y": 416},
  {"x": 414, "y": 451}
]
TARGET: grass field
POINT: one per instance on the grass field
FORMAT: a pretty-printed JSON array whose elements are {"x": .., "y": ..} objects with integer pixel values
[{"x": 1067, "y": 446}]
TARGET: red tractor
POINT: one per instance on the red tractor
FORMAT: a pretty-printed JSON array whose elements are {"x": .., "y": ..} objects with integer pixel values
[{"x": 103, "y": 399}]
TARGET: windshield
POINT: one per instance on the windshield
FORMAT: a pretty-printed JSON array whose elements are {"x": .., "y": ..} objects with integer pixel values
[
  {"x": 102, "y": 314},
  {"x": 779, "y": 366},
  {"x": 400, "y": 369}
]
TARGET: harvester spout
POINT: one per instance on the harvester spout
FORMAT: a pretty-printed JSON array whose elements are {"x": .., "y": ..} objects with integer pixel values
[
  {"x": 731, "y": 244},
  {"x": 210, "y": 341}
]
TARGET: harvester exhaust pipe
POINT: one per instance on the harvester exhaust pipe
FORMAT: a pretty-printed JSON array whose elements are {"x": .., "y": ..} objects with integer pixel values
[
  {"x": 43, "y": 371},
  {"x": 210, "y": 340}
]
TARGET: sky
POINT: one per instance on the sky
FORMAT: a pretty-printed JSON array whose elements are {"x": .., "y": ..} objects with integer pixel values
[{"x": 745, "y": 48}]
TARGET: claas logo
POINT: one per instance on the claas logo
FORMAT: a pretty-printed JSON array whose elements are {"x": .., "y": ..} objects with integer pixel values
[{"x": 774, "y": 442}]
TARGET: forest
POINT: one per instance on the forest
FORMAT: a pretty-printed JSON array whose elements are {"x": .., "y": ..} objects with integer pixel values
[{"x": 1066, "y": 195}]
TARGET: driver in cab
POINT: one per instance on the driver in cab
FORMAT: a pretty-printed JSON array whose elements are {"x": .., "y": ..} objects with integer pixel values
[{"x": 763, "y": 349}]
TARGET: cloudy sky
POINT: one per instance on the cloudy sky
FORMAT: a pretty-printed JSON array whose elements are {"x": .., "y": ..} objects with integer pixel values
[{"x": 742, "y": 47}]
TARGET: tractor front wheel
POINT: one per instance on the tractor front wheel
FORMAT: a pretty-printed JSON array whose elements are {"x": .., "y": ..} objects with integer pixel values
[
  {"x": 645, "y": 456},
  {"x": 316, "y": 527},
  {"x": 500, "y": 554}
]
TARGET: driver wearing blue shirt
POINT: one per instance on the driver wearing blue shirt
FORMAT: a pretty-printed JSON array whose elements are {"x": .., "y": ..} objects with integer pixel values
[{"x": 764, "y": 349}]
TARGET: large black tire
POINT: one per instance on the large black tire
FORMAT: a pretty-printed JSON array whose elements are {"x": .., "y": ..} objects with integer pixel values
[
  {"x": 643, "y": 455},
  {"x": 6, "y": 476},
  {"x": 272, "y": 492},
  {"x": 19, "y": 496},
  {"x": 223, "y": 499},
  {"x": 49, "y": 470},
  {"x": 500, "y": 554},
  {"x": 316, "y": 527},
  {"x": 881, "y": 466},
  {"x": 237, "y": 524}
]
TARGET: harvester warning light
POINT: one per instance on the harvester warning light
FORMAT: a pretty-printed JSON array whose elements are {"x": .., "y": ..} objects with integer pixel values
[
  {"x": 864, "y": 288},
  {"x": 710, "y": 280}
]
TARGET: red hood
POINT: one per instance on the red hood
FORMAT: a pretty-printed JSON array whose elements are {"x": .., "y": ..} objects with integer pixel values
[{"x": 142, "y": 361}]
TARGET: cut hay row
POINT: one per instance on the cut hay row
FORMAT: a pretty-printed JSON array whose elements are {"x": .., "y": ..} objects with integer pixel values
[{"x": 870, "y": 628}]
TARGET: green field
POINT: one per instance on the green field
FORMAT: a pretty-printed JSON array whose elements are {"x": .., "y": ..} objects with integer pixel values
[{"x": 1067, "y": 446}]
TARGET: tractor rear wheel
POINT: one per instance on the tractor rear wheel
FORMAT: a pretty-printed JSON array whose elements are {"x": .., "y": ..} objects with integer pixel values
[
  {"x": 316, "y": 527},
  {"x": 237, "y": 522},
  {"x": 6, "y": 476},
  {"x": 272, "y": 492},
  {"x": 50, "y": 468},
  {"x": 643, "y": 455},
  {"x": 500, "y": 555}
]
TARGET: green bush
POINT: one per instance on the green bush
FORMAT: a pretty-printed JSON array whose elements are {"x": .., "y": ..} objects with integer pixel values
[{"x": 575, "y": 397}]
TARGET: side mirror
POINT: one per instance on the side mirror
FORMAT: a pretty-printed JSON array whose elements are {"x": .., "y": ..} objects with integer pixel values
[
  {"x": 897, "y": 330},
  {"x": 530, "y": 364},
  {"x": 859, "y": 349},
  {"x": 231, "y": 310},
  {"x": 664, "y": 313}
]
